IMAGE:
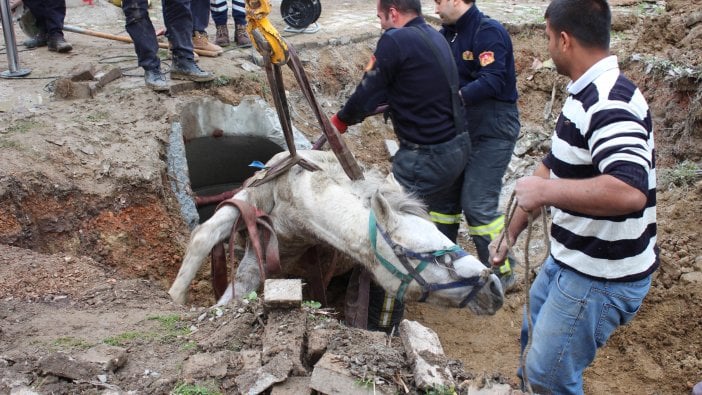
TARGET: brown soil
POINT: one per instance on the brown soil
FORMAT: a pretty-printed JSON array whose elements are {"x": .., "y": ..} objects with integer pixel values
[{"x": 91, "y": 235}]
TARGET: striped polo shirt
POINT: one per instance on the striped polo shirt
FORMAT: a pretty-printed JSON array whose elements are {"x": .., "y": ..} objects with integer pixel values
[{"x": 605, "y": 127}]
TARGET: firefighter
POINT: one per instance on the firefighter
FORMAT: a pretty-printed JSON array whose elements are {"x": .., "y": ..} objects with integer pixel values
[
  {"x": 412, "y": 70},
  {"x": 482, "y": 50}
]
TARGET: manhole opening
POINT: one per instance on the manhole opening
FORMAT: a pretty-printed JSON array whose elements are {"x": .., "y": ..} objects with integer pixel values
[
  {"x": 212, "y": 146},
  {"x": 221, "y": 164}
]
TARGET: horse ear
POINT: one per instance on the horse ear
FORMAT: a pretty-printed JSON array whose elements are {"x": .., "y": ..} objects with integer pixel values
[
  {"x": 381, "y": 208},
  {"x": 391, "y": 181}
]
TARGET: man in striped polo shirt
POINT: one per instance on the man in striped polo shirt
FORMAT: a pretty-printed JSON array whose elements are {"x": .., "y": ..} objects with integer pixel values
[{"x": 599, "y": 180}]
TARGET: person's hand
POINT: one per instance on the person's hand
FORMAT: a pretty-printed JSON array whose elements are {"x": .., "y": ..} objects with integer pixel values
[
  {"x": 528, "y": 191},
  {"x": 338, "y": 124},
  {"x": 498, "y": 253}
]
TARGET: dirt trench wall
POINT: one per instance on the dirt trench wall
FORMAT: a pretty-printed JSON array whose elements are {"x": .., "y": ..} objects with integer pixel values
[{"x": 137, "y": 230}]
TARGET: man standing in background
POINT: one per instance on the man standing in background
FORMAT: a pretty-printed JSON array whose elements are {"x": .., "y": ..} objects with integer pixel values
[
  {"x": 49, "y": 15},
  {"x": 219, "y": 16}
]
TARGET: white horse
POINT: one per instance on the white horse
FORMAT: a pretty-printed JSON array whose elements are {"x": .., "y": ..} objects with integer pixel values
[{"x": 405, "y": 253}]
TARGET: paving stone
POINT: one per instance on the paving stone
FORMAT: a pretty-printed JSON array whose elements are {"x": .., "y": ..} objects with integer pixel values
[{"x": 282, "y": 293}]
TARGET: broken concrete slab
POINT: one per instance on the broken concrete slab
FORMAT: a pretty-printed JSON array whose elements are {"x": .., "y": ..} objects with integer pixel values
[
  {"x": 83, "y": 72},
  {"x": 282, "y": 293},
  {"x": 258, "y": 381},
  {"x": 63, "y": 365},
  {"x": 23, "y": 390},
  {"x": 109, "y": 358},
  {"x": 293, "y": 386},
  {"x": 317, "y": 342},
  {"x": 67, "y": 89},
  {"x": 475, "y": 388},
  {"x": 105, "y": 78},
  {"x": 424, "y": 350},
  {"x": 330, "y": 376},
  {"x": 206, "y": 365}
]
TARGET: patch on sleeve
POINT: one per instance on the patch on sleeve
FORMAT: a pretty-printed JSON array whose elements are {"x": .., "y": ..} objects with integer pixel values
[
  {"x": 371, "y": 64},
  {"x": 486, "y": 58},
  {"x": 467, "y": 55}
]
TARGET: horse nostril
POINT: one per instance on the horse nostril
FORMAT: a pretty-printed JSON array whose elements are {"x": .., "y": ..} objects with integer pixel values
[{"x": 495, "y": 287}]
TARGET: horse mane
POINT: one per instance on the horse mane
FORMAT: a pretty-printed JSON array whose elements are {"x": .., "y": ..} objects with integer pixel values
[{"x": 376, "y": 181}]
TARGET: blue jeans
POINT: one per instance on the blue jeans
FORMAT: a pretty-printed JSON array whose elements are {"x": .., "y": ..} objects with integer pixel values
[{"x": 573, "y": 315}]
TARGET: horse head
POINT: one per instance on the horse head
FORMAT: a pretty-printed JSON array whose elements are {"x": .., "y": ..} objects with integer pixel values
[{"x": 415, "y": 261}]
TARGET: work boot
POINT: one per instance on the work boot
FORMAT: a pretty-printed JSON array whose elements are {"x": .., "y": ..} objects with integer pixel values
[
  {"x": 40, "y": 40},
  {"x": 186, "y": 69},
  {"x": 241, "y": 38},
  {"x": 58, "y": 44},
  {"x": 200, "y": 41},
  {"x": 222, "y": 37},
  {"x": 156, "y": 80}
]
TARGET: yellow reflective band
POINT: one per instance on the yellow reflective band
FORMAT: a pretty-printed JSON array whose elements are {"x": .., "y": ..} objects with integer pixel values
[
  {"x": 446, "y": 219},
  {"x": 506, "y": 268},
  {"x": 492, "y": 229},
  {"x": 386, "y": 311}
]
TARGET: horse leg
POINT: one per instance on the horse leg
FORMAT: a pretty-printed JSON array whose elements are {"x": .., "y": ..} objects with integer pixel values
[
  {"x": 204, "y": 237},
  {"x": 247, "y": 278},
  {"x": 218, "y": 260}
]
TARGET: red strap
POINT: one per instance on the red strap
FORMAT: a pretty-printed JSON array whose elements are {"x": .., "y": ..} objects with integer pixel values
[{"x": 261, "y": 235}]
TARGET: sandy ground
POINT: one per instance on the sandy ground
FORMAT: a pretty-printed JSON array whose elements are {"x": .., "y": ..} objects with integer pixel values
[{"x": 91, "y": 236}]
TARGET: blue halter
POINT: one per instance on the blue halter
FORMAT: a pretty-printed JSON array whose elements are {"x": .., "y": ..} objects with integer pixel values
[{"x": 413, "y": 273}]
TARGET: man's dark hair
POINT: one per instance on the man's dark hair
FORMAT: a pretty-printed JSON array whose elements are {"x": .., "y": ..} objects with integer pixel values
[
  {"x": 589, "y": 21},
  {"x": 402, "y": 6}
]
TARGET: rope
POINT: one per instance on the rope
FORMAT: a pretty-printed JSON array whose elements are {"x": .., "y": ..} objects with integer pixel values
[{"x": 512, "y": 207}]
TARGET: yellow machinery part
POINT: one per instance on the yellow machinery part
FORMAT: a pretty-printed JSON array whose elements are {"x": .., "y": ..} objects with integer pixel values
[{"x": 264, "y": 36}]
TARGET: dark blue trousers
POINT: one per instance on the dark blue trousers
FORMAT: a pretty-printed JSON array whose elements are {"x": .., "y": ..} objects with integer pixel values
[
  {"x": 219, "y": 12},
  {"x": 434, "y": 173},
  {"x": 49, "y": 15},
  {"x": 179, "y": 24},
  {"x": 494, "y": 128},
  {"x": 201, "y": 14}
]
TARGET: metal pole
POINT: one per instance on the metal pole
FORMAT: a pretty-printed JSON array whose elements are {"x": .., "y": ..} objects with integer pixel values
[{"x": 10, "y": 45}]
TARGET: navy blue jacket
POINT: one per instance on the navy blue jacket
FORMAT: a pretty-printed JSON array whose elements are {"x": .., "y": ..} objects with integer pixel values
[
  {"x": 407, "y": 76},
  {"x": 475, "y": 37}
]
